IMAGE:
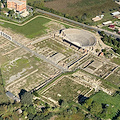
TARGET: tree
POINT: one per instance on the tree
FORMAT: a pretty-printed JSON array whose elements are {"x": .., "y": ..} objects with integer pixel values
[
  {"x": 96, "y": 108},
  {"x": 104, "y": 50},
  {"x": 102, "y": 33},
  {"x": 26, "y": 98},
  {"x": 37, "y": 118},
  {"x": 39, "y": 4},
  {"x": 110, "y": 39},
  {"x": 115, "y": 42},
  {"x": 30, "y": 116},
  {"x": 36, "y": 94},
  {"x": 3, "y": 108},
  {"x": 118, "y": 51},
  {"x": 67, "y": 15},
  {"x": 0, "y": 6},
  {"x": 116, "y": 30},
  {"x": 11, "y": 12},
  {"x": 97, "y": 50},
  {"x": 118, "y": 45},
  {"x": 31, "y": 110},
  {"x": 88, "y": 103},
  {"x": 84, "y": 17},
  {"x": 105, "y": 38},
  {"x": 108, "y": 113}
]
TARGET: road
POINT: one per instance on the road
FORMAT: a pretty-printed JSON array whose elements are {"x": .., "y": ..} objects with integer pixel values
[{"x": 80, "y": 24}]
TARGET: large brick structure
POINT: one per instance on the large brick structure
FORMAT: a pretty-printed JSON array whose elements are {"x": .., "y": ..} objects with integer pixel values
[{"x": 18, "y": 5}]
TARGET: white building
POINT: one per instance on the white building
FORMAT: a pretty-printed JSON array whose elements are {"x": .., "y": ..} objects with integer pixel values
[
  {"x": 107, "y": 23},
  {"x": 116, "y": 13}
]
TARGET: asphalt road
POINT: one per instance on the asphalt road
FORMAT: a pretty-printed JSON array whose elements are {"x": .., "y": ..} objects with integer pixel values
[{"x": 80, "y": 24}]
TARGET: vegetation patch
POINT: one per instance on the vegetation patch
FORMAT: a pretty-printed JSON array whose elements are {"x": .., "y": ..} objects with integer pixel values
[
  {"x": 32, "y": 29},
  {"x": 81, "y": 10},
  {"x": 68, "y": 90},
  {"x": 115, "y": 78},
  {"x": 116, "y": 60},
  {"x": 103, "y": 105},
  {"x": 3, "y": 97}
]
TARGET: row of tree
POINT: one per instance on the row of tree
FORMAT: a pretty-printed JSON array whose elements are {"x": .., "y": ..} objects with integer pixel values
[
  {"x": 34, "y": 110},
  {"x": 115, "y": 43},
  {"x": 40, "y": 4}
]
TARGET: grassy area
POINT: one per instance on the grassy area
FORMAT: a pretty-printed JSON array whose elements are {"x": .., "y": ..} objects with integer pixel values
[
  {"x": 68, "y": 90},
  {"x": 49, "y": 43},
  {"x": 76, "y": 116},
  {"x": 90, "y": 7},
  {"x": 3, "y": 97},
  {"x": 116, "y": 60},
  {"x": 114, "y": 78},
  {"x": 3, "y": 59},
  {"x": 13, "y": 67},
  {"x": 112, "y": 102},
  {"x": 32, "y": 29}
]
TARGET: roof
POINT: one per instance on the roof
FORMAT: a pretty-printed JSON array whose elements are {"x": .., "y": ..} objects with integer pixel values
[
  {"x": 101, "y": 54},
  {"x": 12, "y": 96},
  {"x": 16, "y": 1},
  {"x": 108, "y": 22},
  {"x": 97, "y": 18},
  {"x": 80, "y": 38},
  {"x": 115, "y": 13},
  {"x": 19, "y": 111},
  {"x": 112, "y": 26}
]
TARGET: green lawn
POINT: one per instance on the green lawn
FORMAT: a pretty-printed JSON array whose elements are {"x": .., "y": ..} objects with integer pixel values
[
  {"x": 113, "y": 103},
  {"x": 32, "y": 29}
]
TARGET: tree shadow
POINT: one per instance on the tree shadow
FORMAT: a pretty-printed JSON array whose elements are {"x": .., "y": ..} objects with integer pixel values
[
  {"x": 22, "y": 92},
  {"x": 60, "y": 102},
  {"x": 81, "y": 99}
]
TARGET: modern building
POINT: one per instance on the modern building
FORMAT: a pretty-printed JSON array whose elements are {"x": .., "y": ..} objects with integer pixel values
[
  {"x": 107, "y": 23},
  {"x": 12, "y": 96},
  {"x": 97, "y": 18},
  {"x": 111, "y": 26},
  {"x": 17, "y": 5},
  {"x": 116, "y": 13}
]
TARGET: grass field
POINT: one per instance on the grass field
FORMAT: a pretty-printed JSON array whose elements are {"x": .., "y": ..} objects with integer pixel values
[
  {"x": 113, "y": 102},
  {"x": 65, "y": 89},
  {"x": 32, "y": 29},
  {"x": 115, "y": 78},
  {"x": 3, "y": 97},
  {"x": 116, "y": 60},
  {"x": 13, "y": 67},
  {"x": 79, "y": 7}
]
